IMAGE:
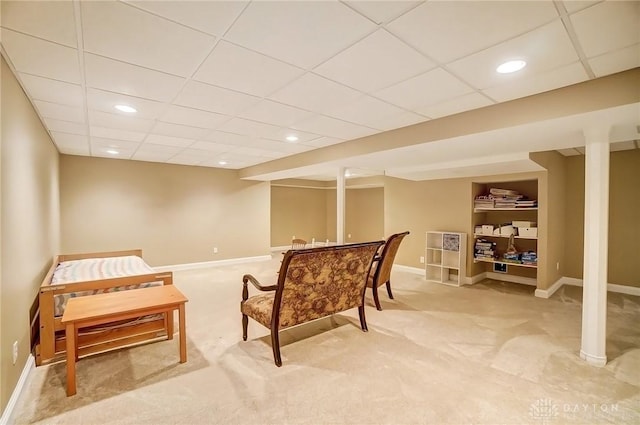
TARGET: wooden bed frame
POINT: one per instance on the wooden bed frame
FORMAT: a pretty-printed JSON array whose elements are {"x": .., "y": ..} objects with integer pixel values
[{"x": 47, "y": 333}]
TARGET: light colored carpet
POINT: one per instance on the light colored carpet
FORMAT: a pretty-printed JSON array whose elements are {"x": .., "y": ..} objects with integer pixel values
[{"x": 491, "y": 353}]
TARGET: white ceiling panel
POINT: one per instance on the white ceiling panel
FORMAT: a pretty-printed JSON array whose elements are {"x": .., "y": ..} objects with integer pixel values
[
  {"x": 212, "y": 17},
  {"x": 327, "y": 126},
  {"x": 448, "y": 30},
  {"x": 55, "y": 91},
  {"x": 382, "y": 11},
  {"x": 39, "y": 57},
  {"x": 426, "y": 89},
  {"x": 273, "y": 112},
  {"x": 158, "y": 139},
  {"x": 248, "y": 127},
  {"x": 71, "y": 141},
  {"x": 315, "y": 93},
  {"x": 120, "y": 77},
  {"x": 58, "y": 126},
  {"x": 321, "y": 142},
  {"x": 212, "y": 147},
  {"x": 177, "y": 130},
  {"x": 101, "y": 143},
  {"x": 544, "y": 49},
  {"x": 370, "y": 112},
  {"x": 616, "y": 61},
  {"x": 282, "y": 134},
  {"x": 51, "y": 20},
  {"x": 455, "y": 105},
  {"x": 59, "y": 112},
  {"x": 121, "y": 122},
  {"x": 193, "y": 117},
  {"x": 575, "y": 5},
  {"x": 402, "y": 120},
  {"x": 538, "y": 83},
  {"x": 392, "y": 59},
  {"x": 151, "y": 155},
  {"x": 116, "y": 134},
  {"x": 290, "y": 31},
  {"x": 141, "y": 38},
  {"x": 100, "y": 100},
  {"x": 214, "y": 99},
  {"x": 240, "y": 69},
  {"x": 617, "y": 23},
  {"x": 273, "y": 145}
]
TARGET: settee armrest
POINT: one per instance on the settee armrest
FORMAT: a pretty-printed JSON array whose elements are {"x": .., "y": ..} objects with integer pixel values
[{"x": 249, "y": 278}]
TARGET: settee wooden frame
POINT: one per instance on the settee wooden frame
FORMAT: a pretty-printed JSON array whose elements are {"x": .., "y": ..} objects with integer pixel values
[{"x": 47, "y": 332}]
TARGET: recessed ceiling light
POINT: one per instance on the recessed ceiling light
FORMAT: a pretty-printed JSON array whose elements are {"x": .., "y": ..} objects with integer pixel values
[
  {"x": 292, "y": 138},
  {"x": 222, "y": 162},
  {"x": 126, "y": 108},
  {"x": 511, "y": 66},
  {"x": 112, "y": 151}
]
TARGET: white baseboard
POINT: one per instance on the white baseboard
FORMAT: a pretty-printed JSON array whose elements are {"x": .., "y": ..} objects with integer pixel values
[
  {"x": 571, "y": 281},
  {"x": 26, "y": 370},
  {"x": 206, "y": 264},
  {"x": 408, "y": 269},
  {"x": 593, "y": 360}
]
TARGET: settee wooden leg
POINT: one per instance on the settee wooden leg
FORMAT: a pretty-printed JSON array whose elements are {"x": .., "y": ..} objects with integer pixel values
[
  {"x": 245, "y": 324},
  {"x": 375, "y": 297},
  {"x": 363, "y": 320},
  {"x": 275, "y": 345},
  {"x": 389, "y": 289}
]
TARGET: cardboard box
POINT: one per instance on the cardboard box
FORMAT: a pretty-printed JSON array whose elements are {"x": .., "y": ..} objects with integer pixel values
[{"x": 528, "y": 232}]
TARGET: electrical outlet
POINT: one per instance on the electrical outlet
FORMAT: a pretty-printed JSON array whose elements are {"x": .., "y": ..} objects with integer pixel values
[
  {"x": 558, "y": 265},
  {"x": 15, "y": 352},
  {"x": 215, "y": 249},
  {"x": 421, "y": 260},
  {"x": 349, "y": 236},
  {"x": 293, "y": 237}
]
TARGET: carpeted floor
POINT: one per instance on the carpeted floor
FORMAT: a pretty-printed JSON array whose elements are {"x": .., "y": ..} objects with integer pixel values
[{"x": 491, "y": 353}]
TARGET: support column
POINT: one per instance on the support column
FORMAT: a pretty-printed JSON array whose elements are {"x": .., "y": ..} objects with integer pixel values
[
  {"x": 596, "y": 238},
  {"x": 340, "y": 205}
]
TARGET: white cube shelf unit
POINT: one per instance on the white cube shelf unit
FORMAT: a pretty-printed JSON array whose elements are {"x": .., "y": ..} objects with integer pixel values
[{"x": 445, "y": 257}]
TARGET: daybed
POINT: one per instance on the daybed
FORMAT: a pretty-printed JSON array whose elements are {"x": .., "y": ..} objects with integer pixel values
[
  {"x": 84, "y": 275},
  {"x": 312, "y": 283}
]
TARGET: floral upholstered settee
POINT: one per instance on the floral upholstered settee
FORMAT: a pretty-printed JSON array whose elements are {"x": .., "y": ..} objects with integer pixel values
[{"x": 312, "y": 283}]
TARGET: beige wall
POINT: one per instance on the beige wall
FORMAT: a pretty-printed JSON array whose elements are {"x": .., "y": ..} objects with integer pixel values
[
  {"x": 310, "y": 212},
  {"x": 175, "y": 214},
  {"x": 30, "y": 225},
  {"x": 624, "y": 226}
]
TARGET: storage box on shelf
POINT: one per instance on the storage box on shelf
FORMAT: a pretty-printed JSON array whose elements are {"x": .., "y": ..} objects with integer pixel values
[{"x": 445, "y": 257}]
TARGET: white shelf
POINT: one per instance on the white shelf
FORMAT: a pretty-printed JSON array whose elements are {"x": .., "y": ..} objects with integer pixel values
[
  {"x": 445, "y": 255},
  {"x": 505, "y": 209},
  {"x": 480, "y": 235},
  {"x": 509, "y": 263}
]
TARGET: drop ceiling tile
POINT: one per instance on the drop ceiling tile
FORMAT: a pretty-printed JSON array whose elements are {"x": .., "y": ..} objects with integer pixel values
[
  {"x": 142, "y": 38},
  {"x": 214, "y": 99},
  {"x": 70, "y": 141},
  {"x": 158, "y": 139},
  {"x": 458, "y": 104},
  {"x": 39, "y": 57},
  {"x": 122, "y": 122},
  {"x": 541, "y": 82},
  {"x": 146, "y": 148},
  {"x": 104, "y": 153},
  {"x": 324, "y": 141},
  {"x": 40, "y": 88},
  {"x": 193, "y": 117},
  {"x": 368, "y": 111},
  {"x": 100, "y": 100},
  {"x": 382, "y": 11},
  {"x": 617, "y": 24},
  {"x": 282, "y": 133},
  {"x": 275, "y": 146},
  {"x": 65, "y": 126},
  {"x": 315, "y": 93},
  {"x": 212, "y": 147},
  {"x": 78, "y": 151},
  {"x": 392, "y": 60},
  {"x": 239, "y": 153},
  {"x": 427, "y": 89},
  {"x": 230, "y": 138},
  {"x": 151, "y": 156},
  {"x": 191, "y": 157},
  {"x": 51, "y": 20},
  {"x": 544, "y": 49},
  {"x": 116, "y": 134},
  {"x": 111, "y": 75},
  {"x": 327, "y": 126},
  {"x": 99, "y": 142},
  {"x": 401, "y": 120},
  {"x": 448, "y": 30},
  {"x": 276, "y": 113},
  {"x": 242, "y": 70},
  {"x": 290, "y": 31},
  {"x": 212, "y": 17},
  {"x": 59, "y": 112},
  {"x": 616, "y": 61},
  {"x": 248, "y": 127},
  {"x": 177, "y": 130},
  {"x": 576, "y": 5}
]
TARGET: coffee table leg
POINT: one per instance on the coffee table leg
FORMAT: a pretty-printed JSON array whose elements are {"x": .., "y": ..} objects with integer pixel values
[
  {"x": 183, "y": 334},
  {"x": 70, "y": 335}
]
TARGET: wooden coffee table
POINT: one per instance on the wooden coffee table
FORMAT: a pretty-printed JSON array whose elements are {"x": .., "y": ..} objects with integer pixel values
[{"x": 100, "y": 309}]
